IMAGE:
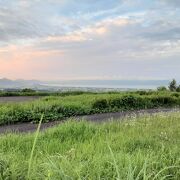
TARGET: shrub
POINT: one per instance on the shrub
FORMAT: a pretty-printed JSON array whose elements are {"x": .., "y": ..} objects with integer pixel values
[
  {"x": 160, "y": 101},
  {"x": 130, "y": 102},
  {"x": 100, "y": 104},
  {"x": 115, "y": 103}
]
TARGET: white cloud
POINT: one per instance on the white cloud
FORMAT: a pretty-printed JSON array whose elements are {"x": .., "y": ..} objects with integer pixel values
[{"x": 85, "y": 39}]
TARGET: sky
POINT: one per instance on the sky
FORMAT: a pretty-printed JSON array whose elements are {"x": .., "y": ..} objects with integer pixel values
[{"x": 90, "y": 39}]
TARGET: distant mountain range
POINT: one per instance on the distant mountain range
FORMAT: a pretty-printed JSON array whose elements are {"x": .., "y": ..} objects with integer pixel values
[
  {"x": 117, "y": 84},
  {"x": 19, "y": 83}
]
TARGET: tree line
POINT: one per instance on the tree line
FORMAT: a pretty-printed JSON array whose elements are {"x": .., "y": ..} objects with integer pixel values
[{"x": 173, "y": 86}]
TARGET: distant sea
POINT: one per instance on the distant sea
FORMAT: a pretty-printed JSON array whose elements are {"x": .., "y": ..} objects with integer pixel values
[{"x": 114, "y": 84}]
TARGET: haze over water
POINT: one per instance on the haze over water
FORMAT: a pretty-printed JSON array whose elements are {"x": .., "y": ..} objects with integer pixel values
[{"x": 120, "y": 84}]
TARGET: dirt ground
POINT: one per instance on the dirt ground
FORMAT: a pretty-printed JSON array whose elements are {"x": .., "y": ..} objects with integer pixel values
[{"x": 29, "y": 127}]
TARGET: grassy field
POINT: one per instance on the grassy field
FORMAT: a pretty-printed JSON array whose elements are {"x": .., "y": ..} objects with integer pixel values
[
  {"x": 146, "y": 147},
  {"x": 70, "y": 104}
]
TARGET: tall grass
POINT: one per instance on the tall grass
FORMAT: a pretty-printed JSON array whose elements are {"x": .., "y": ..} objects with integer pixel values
[
  {"x": 136, "y": 148},
  {"x": 33, "y": 147}
]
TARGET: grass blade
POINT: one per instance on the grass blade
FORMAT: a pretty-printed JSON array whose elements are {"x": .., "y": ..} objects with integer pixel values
[{"x": 33, "y": 147}]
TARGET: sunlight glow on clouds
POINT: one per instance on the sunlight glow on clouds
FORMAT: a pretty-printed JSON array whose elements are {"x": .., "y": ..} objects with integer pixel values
[{"x": 54, "y": 39}]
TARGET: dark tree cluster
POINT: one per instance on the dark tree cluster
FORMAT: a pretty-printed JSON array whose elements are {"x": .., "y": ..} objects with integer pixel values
[
  {"x": 28, "y": 90},
  {"x": 172, "y": 87}
]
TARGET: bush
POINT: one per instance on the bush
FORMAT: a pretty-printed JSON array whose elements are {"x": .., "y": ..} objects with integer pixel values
[
  {"x": 163, "y": 101},
  {"x": 130, "y": 102},
  {"x": 100, "y": 104}
]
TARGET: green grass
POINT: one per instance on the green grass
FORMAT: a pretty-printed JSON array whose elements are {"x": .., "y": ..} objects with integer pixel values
[
  {"x": 144, "y": 147},
  {"x": 58, "y": 107},
  {"x": 42, "y": 93}
]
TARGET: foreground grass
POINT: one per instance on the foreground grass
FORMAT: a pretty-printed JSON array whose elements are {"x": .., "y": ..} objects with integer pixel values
[{"x": 137, "y": 148}]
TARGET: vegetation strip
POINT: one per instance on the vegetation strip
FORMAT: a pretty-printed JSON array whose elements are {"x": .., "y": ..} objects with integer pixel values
[{"x": 59, "y": 107}]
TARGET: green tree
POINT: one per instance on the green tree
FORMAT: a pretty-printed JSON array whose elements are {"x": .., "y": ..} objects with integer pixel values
[
  {"x": 172, "y": 85},
  {"x": 28, "y": 90}
]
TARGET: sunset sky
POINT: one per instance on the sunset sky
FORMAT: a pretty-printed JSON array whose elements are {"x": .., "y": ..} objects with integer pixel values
[{"x": 90, "y": 39}]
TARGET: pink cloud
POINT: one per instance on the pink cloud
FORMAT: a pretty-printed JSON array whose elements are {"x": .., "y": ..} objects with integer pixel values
[{"x": 25, "y": 62}]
